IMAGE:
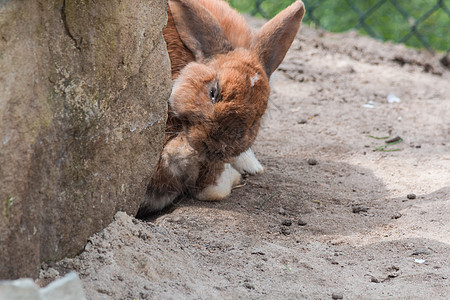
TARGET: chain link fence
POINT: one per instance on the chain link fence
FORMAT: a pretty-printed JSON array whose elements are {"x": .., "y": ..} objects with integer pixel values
[{"x": 416, "y": 23}]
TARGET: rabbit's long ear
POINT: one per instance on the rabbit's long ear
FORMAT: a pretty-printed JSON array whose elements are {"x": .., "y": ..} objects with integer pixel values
[
  {"x": 274, "y": 39},
  {"x": 199, "y": 29}
]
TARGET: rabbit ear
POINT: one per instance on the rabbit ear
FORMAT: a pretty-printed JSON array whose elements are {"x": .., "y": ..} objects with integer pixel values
[
  {"x": 199, "y": 29},
  {"x": 274, "y": 39}
]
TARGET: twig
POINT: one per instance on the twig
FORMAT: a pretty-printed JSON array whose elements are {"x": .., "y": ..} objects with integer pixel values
[
  {"x": 239, "y": 186},
  {"x": 383, "y": 148},
  {"x": 269, "y": 198},
  {"x": 289, "y": 269},
  {"x": 394, "y": 139},
  {"x": 378, "y": 138}
]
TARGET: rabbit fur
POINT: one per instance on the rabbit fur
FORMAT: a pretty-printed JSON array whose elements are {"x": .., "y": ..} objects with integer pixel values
[{"x": 221, "y": 74}]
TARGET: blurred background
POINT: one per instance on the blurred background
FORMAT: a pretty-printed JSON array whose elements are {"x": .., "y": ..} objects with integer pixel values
[{"x": 416, "y": 23}]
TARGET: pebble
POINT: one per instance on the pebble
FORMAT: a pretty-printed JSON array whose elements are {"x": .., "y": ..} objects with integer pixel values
[
  {"x": 445, "y": 60},
  {"x": 337, "y": 296},
  {"x": 287, "y": 222},
  {"x": 393, "y": 274},
  {"x": 285, "y": 231},
  {"x": 177, "y": 219},
  {"x": 301, "y": 222},
  {"x": 359, "y": 208},
  {"x": 249, "y": 285},
  {"x": 396, "y": 216},
  {"x": 312, "y": 161},
  {"x": 413, "y": 145},
  {"x": 302, "y": 121},
  {"x": 411, "y": 196},
  {"x": 334, "y": 262},
  {"x": 50, "y": 273},
  {"x": 282, "y": 211}
]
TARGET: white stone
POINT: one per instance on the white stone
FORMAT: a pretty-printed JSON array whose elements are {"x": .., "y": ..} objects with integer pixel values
[
  {"x": 67, "y": 288},
  {"x": 20, "y": 289}
]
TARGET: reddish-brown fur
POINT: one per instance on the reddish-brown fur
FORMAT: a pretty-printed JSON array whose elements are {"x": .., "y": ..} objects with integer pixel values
[
  {"x": 233, "y": 24},
  {"x": 179, "y": 54},
  {"x": 211, "y": 48}
]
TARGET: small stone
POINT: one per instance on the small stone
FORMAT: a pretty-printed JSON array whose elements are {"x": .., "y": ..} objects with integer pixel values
[
  {"x": 445, "y": 60},
  {"x": 301, "y": 222},
  {"x": 50, "y": 273},
  {"x": 359, "y": 208},
  {"x": 419, "y": 261},
  {"x": 287, "y": 222},
  {"x": 374, "y": 279},
  {"x": 337, "y": 296},
  {"x": 418, "y": 146},
  {"x": 302, "y": 121},
  {"x": 68, "y": 285},
  {"x": 249, "y": 285},
  {"x": 411, "y": 196},
  {"x": 394, "y": 268},
  {"x": 176, "y": 219},
  {"x": 396, "y": 216},
  {"x": 312, "y": 161},
  {"x": 282, "y": 211},
  {"x": 284, "y": 230},
  {"x": 19, "y": 289}
]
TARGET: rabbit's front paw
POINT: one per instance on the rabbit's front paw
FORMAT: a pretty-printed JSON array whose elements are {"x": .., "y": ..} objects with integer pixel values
[
  {"x": 247, "y": 162},
  {"x": 222, "y": 188}
]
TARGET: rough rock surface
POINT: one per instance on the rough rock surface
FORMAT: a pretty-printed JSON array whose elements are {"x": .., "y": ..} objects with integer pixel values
[{"x": 83, "y": 93}]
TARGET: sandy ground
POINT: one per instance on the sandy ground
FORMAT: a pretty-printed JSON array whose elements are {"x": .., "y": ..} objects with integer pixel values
[{"x": 330, "y": 217}]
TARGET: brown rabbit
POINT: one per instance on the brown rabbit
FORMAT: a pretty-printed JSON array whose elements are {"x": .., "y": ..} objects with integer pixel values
[{"x": 221, "y": 88}]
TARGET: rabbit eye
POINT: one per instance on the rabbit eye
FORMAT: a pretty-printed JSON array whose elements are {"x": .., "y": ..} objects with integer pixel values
[{"x": 214, "y": 93}]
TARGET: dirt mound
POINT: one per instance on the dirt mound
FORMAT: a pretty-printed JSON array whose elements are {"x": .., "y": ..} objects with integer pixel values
[{"x": 334, "y": 212}]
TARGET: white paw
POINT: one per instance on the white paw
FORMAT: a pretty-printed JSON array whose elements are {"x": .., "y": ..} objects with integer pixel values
[
  {"x": 229, "y": 178},
  {"x": 247, "y": 162}
]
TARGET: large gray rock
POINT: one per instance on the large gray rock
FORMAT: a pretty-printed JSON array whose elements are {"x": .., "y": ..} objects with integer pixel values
[{"x": 83, "y": 93}]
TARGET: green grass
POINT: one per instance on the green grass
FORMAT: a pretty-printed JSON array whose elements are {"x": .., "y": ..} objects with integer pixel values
[{"x": 386, "y": 22}]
